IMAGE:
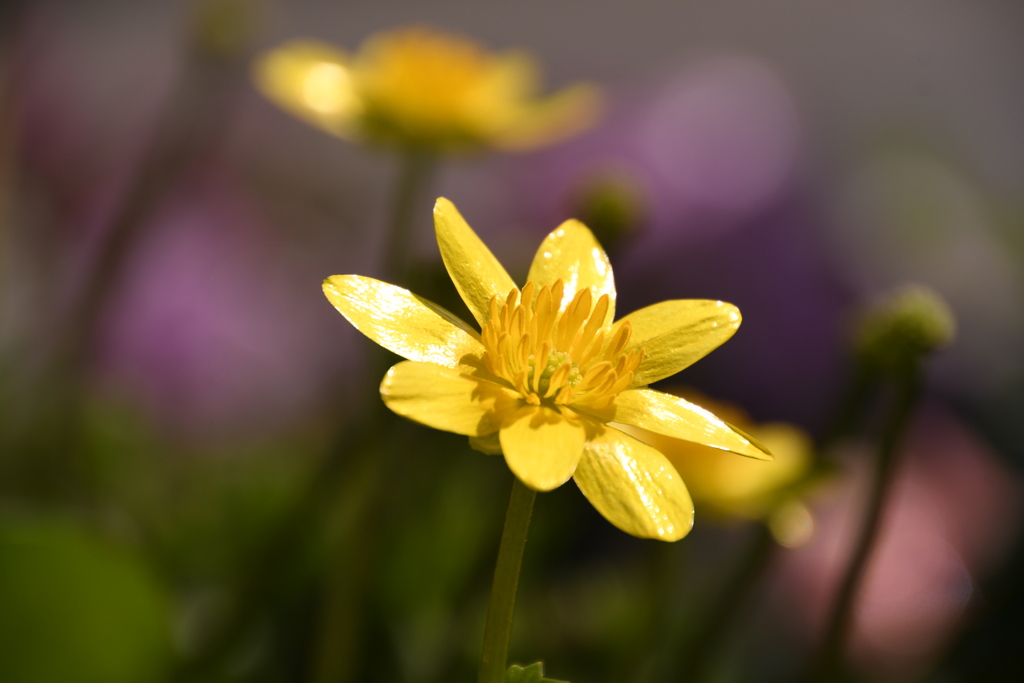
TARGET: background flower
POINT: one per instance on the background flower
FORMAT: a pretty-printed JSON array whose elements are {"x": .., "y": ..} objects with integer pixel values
[
  {"x": 419, "y": 87},
  {"x": 741, "y": 488}
]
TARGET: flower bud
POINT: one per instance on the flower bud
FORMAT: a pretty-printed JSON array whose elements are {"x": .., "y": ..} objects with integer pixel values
[
  {"x": 908, "y": 323},
  {"x": 612, "y": 204}
]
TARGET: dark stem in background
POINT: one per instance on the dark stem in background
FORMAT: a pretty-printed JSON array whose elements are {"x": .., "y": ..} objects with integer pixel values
[
  {"x": 44, "y": 402},
  {"x": 12, "y": 25},
  {"x": 664, "y": 596},
  {"x": 826, "y": 664},
  {"x": 339, "y": 633},
  {"x": 346, "y": 473},
  {"x": 692, "y": 661},
  {"x": 192, "y": 123},
  {"x": 339, "y": 637},
  {"x": 852, "y": 408},
  {"x": 360, "y": 479},
  {"x": 502, "y": 604},
  {"x": 647, "y": 660},
  {"x": 415, "y": 175},
  {"x": 278, "y": 568},
  {"x": 9, "y": 23}
]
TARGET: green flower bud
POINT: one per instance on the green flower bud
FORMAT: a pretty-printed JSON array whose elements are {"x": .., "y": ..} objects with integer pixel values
[
  {"x": 613, "y": 204},
  {"x": 908, "y": 323}
]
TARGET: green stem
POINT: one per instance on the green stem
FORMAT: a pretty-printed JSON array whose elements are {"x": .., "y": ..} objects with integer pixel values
[
  {"x": 348, "y": 471},
  {"x": 829, "y": 657},
  {"x": 338, "y": 633},
  {"x": 416, "y": 172},
  {"x": 664, "y": 595},
  {"x": 494, "y": 655},
  {"x": 692, "y": 660},
  {"x": 44, "y": 399},
  {"x": 355, "y": 546},
  {"x": 691, "y": 653},
  {"x": 854, "y": 405},
  {"x": 192, "y": 123}
]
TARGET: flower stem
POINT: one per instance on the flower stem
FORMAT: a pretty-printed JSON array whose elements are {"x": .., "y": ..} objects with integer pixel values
[
  {"x": 494, "y": 655},
  {"x": 668, "y": 575},
  {"x": 192, "y": 123},
  {"x": 339, "y": 635},
  {"x": 853, "y": 407},
  {"x": 416, "y": 172},
  {"x": 44, "y": 396},
  {"x": 348, "y": 471},
  {"x": 828, "y": 659},
  {"x": 755, "y": 559}
]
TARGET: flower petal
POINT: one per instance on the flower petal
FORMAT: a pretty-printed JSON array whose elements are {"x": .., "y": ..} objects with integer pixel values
[
  {"x": 446, "y": 399},
  {"x": 312, "y": 81},
  {"x": 573, "y": 255},
  {"x": 559, "y": 116},
  {"x": 402, "y": 322},
  {"x": 512, "y": 77},
  {"x": 676, "y": 334},
  {"x": 476, "y": 273},
  {"x": 542, "y": 447},
  {"x": 676, "y": 417},
  {"x": 634, "y": 486}
]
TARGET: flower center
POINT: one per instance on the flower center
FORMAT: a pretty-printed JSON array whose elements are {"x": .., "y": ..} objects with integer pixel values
[
  {"x": 422, "y": 75},
  {"x": 558, "y": 355}
]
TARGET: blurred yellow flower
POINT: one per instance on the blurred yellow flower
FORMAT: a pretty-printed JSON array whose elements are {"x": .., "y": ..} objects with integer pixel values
[
  {"x": 419, "y": 87},
  {"x": 550, "y": 374},
  {"x": 741, "y": 487}
]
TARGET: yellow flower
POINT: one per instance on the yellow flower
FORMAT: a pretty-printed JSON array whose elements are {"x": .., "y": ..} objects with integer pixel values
[
  {"x": 419, "y": 87},
  {"x": 550, "y": 374},
  {"x": 741, "y": 487}
]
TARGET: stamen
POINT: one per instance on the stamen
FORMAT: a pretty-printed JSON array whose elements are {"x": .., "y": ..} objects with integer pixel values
[
  {"x": 515, "y": 323},
  {"x": 593, "y": 375},
  {"x": 621, "y": 338},
  {"x": 606, "y": 383},
  {"x": 523, "y": 350},
  {"x": 591, "y": 351},
  {"x": 593, "y": 325},
  {"x": 620, "y": 365},
  {"x": 527, "y": 295},
  {"x": 558, "y": 355},
  {"x": 621, "y": 384},
  {"x": 520, "y": 381},
  {"x": 492, "y": 310},
  {"x": 575, "y": 314},
  {"x": 544, "y": 313},
  {"x": 511, "y": 367},
  {"x": 558, "y": 378},
  {"x": 540, "y": 364},
  {"x": 557, "y": 292}
]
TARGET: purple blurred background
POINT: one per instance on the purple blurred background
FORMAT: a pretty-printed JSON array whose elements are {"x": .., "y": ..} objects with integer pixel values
[{"x": 796, "y": 159}]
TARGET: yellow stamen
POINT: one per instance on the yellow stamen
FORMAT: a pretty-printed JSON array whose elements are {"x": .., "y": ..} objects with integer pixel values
[{"x": 554, "y": 354}]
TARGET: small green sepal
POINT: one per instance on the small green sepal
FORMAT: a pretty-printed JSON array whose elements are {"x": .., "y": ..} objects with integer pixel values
[{"x": 529, "y": 674}]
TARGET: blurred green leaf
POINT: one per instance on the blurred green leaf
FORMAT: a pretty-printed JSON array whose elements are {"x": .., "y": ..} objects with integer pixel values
[{"x": 75, "y": 608}]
